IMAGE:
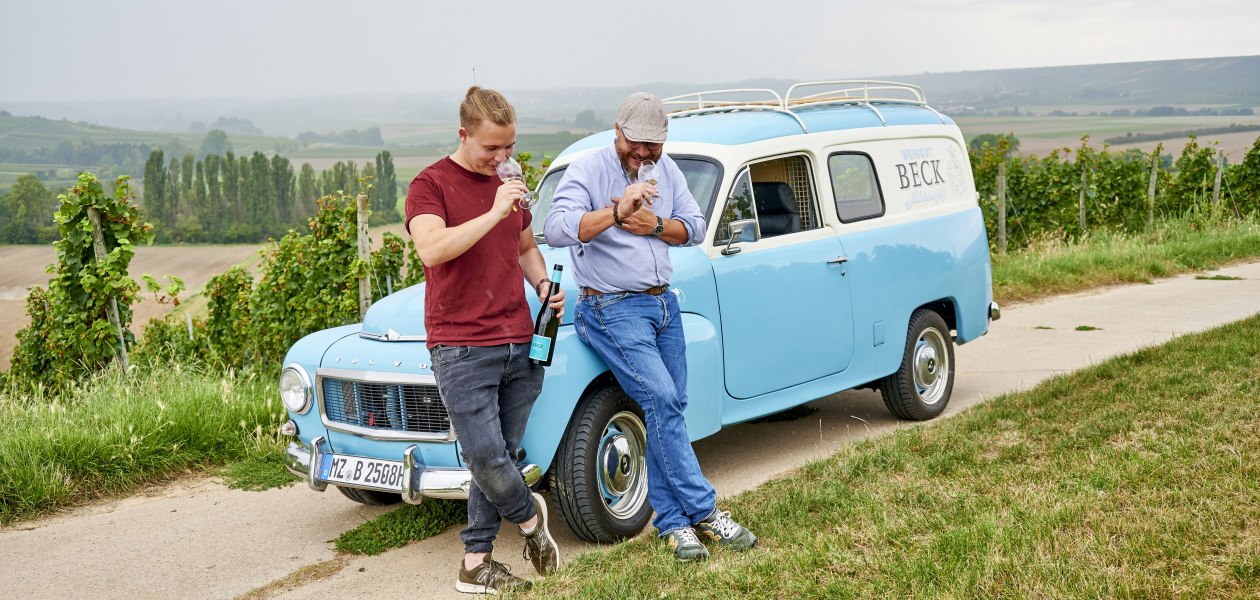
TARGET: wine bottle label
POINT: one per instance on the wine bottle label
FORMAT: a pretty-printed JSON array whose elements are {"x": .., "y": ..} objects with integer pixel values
[{"x": 540, "y": 347}]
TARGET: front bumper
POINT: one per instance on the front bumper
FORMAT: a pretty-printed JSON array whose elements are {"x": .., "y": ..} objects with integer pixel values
[{"x": 419, "y": 481}]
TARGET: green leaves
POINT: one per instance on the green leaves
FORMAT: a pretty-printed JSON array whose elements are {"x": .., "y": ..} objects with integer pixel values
[
  {"x": 70, "y": 335},
  {"x": 1043, "y": 193},
  {"x": 306, "y": 283}
]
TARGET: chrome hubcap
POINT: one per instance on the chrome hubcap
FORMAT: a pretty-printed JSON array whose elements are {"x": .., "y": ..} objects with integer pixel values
[
  {"x": 931, "y": 366},
  {"x": 623, "y": 465}
]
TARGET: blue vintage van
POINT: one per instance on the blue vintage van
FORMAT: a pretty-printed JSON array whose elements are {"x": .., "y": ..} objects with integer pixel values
[{"x": 845, "y": 249}]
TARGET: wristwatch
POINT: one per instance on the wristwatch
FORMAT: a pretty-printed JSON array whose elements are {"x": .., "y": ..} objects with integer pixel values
[{"x": 660, "y": 227}]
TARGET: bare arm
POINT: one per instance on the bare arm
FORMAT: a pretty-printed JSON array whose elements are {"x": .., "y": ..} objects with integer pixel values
[{"x": 436, "y": 243}]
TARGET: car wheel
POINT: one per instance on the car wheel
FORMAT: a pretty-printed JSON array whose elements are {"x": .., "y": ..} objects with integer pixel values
[
  {"x": 599, "y": 479},
  {"x": 920, "y": 388},
  {"x": 371, "y": 497}
]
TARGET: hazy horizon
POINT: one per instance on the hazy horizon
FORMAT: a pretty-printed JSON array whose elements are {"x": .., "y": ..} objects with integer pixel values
[{"x": 278, "y": 50}]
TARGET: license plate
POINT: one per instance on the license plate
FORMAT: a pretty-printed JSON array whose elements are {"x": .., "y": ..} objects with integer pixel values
[{"x": 362, "y": 472}]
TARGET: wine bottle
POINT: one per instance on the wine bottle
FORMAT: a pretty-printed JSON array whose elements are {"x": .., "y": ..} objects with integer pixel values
[{"x": 547, "y": 324}]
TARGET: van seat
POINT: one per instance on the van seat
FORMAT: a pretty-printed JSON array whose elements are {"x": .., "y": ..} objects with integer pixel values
[{"x": 776, "y": 208}]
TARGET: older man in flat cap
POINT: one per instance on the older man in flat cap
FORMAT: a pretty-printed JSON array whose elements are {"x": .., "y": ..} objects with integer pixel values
[{"x": 619, "y": 231}]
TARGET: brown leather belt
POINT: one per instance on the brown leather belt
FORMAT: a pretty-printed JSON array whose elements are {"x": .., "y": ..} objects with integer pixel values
[{"x": 652, "y": 291}]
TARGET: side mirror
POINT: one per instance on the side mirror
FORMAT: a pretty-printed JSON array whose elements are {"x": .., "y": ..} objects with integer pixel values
[{"x": 741, "y": 231}]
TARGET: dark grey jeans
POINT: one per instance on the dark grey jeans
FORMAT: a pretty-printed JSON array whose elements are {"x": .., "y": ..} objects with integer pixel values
[{"x": 488, "y": 392}]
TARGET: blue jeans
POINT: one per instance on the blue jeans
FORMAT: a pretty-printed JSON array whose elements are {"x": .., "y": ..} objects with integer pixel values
[
  {"x": 488, "y": 392},
  {"x": 640, "y": 337}
]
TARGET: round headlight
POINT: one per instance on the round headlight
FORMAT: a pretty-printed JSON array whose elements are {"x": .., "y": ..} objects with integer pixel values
[{"x": 295, "y": 389}]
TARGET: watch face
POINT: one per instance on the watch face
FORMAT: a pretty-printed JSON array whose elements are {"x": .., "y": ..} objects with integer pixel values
[{"x": 660, "y": 227}]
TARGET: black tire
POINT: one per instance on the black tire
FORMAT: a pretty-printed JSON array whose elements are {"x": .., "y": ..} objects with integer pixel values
[
  {"x": 370, "y": 497},
  {"x": 601, "y": 504},
  {"x": 920, "y": 388}
]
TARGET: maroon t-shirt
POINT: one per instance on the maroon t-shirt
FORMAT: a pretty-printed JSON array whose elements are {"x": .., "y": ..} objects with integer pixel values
[{"x": 477, "y": 298}]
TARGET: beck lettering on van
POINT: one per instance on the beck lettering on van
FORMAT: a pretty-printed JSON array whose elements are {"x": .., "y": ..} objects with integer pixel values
[{"x": 919, "y": 170}]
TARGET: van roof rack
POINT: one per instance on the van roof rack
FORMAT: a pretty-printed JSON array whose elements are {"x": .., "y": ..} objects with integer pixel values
[
  {"x": 837, "y": 92},
  {"x": 714, "y": 101}
]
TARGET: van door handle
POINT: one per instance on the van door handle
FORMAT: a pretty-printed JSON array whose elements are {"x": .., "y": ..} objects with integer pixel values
[{"x": 839, "y": 260}]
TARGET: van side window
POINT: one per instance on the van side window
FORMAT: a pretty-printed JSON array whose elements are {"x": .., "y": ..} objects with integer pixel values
[
  {"x": 856, "y": 188},
  {"x": 784, "y": 194},
  {"x": 739, "y": 206},
  {"x": 777, "y": 193}
]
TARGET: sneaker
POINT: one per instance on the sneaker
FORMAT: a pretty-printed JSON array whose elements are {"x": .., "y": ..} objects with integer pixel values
[
  {"x": 489, "y": 577},
  {"x": 719, "y": 527},
  {"x": 685, "y": 544},
  {"x": 540, "y": 548}
]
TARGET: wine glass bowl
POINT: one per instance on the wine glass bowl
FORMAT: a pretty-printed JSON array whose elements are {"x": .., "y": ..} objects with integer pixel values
[
  {"x": 647, "y": 174},
  {"x": 510, "y": 170}
]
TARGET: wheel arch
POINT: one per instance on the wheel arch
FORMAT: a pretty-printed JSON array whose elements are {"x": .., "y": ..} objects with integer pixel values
[
  {"x": 572, "y": 376},
  {"x": 944, "y": 307}
]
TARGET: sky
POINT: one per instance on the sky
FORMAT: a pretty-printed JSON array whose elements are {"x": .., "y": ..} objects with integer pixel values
[{"x": 85, "y": 50}]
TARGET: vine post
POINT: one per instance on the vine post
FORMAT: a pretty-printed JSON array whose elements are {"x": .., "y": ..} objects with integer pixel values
[
  {"x": 1001, "y": 194},
  {"x": 1150, "y": 190},
  {"x": 365, "y": 254},
  {"x": 1216, "y": 185},
  {"x": 98, "y": 248},
  {"x": 1084, "y": 174}
]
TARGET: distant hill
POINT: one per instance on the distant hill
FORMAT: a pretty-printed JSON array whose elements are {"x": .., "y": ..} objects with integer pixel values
[
  {"x": 1229, "y": 81},
  {"x": 33, "y": 132},
  {"x": 1233, "y": 81}
]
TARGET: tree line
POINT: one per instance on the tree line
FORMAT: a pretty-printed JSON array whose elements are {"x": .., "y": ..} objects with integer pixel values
[
  {"x": 217, "y": 198},
  {"x": 111, "y": 159},
  {"x": 353, "y": 137},
  {"x": 245, "y": 199}
]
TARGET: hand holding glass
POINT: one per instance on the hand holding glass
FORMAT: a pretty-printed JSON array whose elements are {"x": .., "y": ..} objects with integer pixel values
[
  {"x": 510, "y": 170},
  {"x": 647, "y": 174}
]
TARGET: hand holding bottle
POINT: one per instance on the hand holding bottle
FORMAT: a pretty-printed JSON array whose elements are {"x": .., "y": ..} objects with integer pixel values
[
  {"x": 547, "y": 325},
  {"x": 557, "y": 296}
]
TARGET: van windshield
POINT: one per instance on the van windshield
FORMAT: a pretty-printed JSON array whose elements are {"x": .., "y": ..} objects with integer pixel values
[{"x": 703, "y": 175}]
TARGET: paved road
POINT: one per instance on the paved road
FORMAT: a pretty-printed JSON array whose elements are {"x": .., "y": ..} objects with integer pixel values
[{"x": 197, "y": 539}]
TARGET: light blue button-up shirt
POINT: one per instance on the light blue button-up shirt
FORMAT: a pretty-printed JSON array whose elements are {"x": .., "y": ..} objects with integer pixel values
[{"x": 617, "y": 260}]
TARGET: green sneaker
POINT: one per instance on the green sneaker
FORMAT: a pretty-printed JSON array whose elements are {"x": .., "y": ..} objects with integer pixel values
[
  {"x": 540, "y": 548},
  {"x": 685, "y": 544},
  {"x": 489, "y": 577},
  {"x": 719, "y": 527}
]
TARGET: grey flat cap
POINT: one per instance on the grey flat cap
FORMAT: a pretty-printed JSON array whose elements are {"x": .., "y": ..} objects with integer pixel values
[{"x": 642, "y": 118}]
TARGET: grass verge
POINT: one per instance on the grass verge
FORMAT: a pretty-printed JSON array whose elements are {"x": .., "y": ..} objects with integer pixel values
[
  {"x": 1179, "y": 246},
  {"x": 1133, "y": 478},
  {"x": 397, "y": 527},
  {"x": 116, "y": 432},
  {"x": 262, "y": 468}
]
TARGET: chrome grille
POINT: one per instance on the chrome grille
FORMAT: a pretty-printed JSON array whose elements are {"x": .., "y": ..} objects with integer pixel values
[{"x": 413, "y": 408}]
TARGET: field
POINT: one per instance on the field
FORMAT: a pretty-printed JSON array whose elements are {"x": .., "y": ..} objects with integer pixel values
[
  {"x": 405, "y": 166},
  {"x": 1040, "y": 135},
  {"x": 24, "y": 267},
  {"x": 62, "y": 176},
  {"x": 35, "y": 132}
]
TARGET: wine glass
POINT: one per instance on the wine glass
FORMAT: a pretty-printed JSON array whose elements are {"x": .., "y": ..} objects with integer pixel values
[
  {"x": 510, "y": 170},
  {"x": 647, "y": 174}
]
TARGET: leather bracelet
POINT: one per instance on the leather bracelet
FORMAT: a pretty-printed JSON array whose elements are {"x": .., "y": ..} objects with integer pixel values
[
  {"x": 616, "y": 217},
  {"x": 539, "y": 284}
]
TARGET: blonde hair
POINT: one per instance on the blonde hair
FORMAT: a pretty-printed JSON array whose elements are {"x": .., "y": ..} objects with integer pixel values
[{"x": 481, "y": 104}]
